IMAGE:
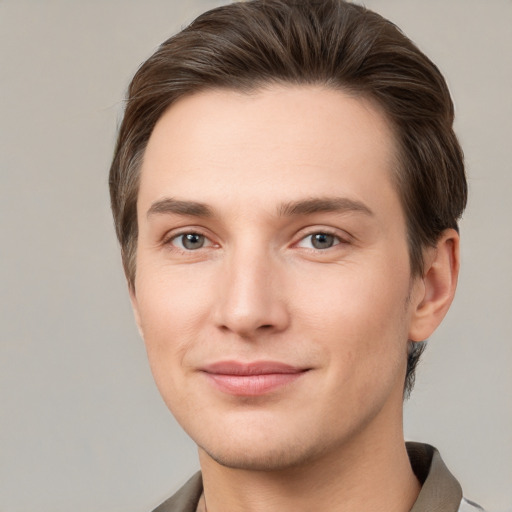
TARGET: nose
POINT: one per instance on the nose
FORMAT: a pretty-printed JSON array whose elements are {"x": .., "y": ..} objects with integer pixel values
[{"x": 251, "y": 300}]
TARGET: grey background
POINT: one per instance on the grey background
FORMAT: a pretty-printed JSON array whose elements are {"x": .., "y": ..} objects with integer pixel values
[{"x": 82, "y": 427}]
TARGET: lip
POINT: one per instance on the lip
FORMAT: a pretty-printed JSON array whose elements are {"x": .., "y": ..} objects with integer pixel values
[{"x": 251, "y": 379}]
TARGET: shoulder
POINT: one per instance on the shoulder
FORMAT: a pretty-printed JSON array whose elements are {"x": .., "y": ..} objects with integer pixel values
[{"x": 186, "y": 499}]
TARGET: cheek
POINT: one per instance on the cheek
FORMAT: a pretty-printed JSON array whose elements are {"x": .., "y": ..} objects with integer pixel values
[
  {"x": 353, "y": 295},
  {"x": 359, "y": 315},
  {"x": 172, "y": 307},
  {"x": 165, "y": 331}
]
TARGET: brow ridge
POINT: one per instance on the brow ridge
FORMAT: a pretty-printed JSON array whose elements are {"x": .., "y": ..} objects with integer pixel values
[
  {"x": 170, "y": 205},
  {"x": 307, "y": 206},
  {"x": 323, "y": 204}
]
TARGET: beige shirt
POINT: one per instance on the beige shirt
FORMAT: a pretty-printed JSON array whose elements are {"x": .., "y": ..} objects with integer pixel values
[{"x": 440, "y": 491}]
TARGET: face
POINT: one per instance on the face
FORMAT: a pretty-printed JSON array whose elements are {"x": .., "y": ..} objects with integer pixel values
[{"x": 273, "y": 286}]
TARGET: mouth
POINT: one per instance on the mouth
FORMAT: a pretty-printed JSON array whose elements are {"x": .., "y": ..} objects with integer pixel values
[{"x": 251, "y": 379}]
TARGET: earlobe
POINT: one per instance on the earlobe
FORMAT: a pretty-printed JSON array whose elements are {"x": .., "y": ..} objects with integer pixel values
[{"x": 439, "y": 284}]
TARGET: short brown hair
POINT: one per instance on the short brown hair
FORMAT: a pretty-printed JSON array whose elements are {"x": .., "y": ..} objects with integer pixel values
[{"x": 246, "y": 45}]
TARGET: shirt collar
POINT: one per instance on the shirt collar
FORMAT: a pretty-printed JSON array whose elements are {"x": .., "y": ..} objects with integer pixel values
[{"x": 440, "y": 491}]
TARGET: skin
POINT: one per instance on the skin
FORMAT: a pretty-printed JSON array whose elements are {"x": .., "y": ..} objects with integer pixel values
[{"x": 257, "y": 180}]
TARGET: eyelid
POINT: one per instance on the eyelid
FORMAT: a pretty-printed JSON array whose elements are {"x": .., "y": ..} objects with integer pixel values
[
  {"x": 342, "y": 236},
  {"x": 173, "y": 234}
]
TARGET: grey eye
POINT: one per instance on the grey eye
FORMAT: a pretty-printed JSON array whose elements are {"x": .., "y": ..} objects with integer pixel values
[
  {"x": 191, "y": 241},
  {"x": 322, "y": 240}
]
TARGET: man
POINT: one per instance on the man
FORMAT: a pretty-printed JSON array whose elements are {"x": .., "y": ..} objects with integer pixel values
[{"x": 286, "y": 188}]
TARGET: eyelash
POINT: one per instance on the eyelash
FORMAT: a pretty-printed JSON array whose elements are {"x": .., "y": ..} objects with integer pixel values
[
  {"x": 337, "y": 240},
  {"x": 168, "y": 241}
]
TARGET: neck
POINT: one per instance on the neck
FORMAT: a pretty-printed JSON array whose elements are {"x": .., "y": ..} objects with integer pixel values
[{"x": 371, "y": 472}]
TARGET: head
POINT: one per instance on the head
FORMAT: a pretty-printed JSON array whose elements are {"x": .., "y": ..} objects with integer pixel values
[{"x": 249, "y": 47}]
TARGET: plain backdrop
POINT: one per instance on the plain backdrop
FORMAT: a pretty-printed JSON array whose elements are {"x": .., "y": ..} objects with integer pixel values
[{"x": 82, "y": 426}]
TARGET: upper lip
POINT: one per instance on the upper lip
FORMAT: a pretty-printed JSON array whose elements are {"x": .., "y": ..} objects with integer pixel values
[{"x": 250, "y": 368}]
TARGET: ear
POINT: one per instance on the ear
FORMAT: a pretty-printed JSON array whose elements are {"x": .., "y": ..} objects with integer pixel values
[
  {"x": 135, "y": 308},
  {"x": 433, "y": 298}
]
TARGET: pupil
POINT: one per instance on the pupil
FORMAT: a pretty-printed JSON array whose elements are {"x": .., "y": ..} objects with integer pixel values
[
  {"x": 193, "y": 241},
  {"x": 322, "y": 240}
]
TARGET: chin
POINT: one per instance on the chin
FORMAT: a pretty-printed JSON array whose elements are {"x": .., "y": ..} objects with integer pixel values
[
  {"x": 268, "y": 460},
  {"x": 264, "y": 454}
]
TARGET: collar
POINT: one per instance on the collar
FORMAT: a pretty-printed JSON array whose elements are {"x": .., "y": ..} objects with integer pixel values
[{"x": 440, "y": 491}]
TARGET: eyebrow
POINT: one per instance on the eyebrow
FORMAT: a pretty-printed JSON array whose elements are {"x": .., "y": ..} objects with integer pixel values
[
  {"x": 320, "y": 205},
  {"x": 294, "y": 208},
  {"x": 170, "y": 205}
]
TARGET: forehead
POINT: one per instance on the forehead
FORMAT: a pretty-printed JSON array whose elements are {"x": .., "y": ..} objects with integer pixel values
[{"x": 276, "y": 143}]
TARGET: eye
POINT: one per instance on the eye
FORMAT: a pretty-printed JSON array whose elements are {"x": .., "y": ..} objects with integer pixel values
[
  {"x": 190, "y": 241},
  {"x": 319, "y": 241}
]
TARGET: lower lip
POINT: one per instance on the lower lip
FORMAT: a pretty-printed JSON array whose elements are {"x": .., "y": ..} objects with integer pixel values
[{"x": 252, "y": 385}]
